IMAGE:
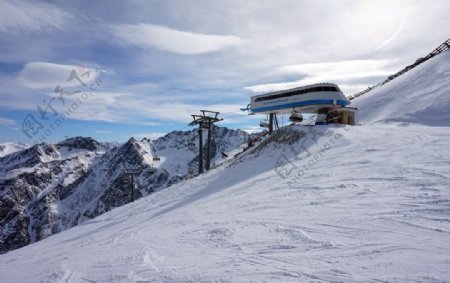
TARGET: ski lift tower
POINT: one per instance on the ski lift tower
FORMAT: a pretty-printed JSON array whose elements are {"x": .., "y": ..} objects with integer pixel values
[
  {"x": 205, "y": 121},
  {"x": 131, "y": 173}
]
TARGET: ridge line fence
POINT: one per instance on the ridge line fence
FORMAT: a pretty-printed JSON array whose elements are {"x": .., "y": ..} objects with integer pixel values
[{"x": 441, "y": 48}]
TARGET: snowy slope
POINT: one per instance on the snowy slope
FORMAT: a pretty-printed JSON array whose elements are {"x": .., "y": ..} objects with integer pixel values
[
  {"x": 358, "y": 211},
  {"x": 11, "y": 147},
  {"x": 420, "y": 96}
]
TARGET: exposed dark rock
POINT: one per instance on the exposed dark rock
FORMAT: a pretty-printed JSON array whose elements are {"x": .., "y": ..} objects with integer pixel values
[{"x": 80, "y": 143}]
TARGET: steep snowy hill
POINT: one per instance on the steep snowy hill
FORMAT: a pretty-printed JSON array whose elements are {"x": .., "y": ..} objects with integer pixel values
[
  {"x": 420, "y": 96},
  {"x": 47, "y": 188},
  {"x": 309, "y": 204}
]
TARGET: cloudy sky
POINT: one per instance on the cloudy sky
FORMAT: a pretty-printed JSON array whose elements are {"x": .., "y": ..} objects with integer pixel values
[{"x": 116, "y": 69}]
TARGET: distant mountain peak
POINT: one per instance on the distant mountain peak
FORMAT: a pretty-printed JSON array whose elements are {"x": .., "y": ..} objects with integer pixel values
[{"x": 79, "y": 142}]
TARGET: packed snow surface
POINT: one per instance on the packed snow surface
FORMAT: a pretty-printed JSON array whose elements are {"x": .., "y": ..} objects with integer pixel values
[{"x": 357, "y": 204}]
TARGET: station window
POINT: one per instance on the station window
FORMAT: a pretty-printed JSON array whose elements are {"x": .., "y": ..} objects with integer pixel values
[{"x": 298, "y": 92}]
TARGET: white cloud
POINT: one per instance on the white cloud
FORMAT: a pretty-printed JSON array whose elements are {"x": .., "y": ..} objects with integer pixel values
[
  {"x": 150, "y": 123},
  {"x": 341, "y": 69},
  {"x": 344, "y": 73},
  {"x": 131, "y": 108},
  {"x": 20, "y": 16},
  {"x": 278, "y": 40},
  {"x": 6, "y": 122},
  {"x": 392, "y": 37},
  {"x": 179, "y": 112},
  {"x": 172, "y": 40},
  {"x": 43, "y": 75}
]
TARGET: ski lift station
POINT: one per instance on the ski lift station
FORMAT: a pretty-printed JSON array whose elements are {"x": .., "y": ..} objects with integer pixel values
[{"x": 324, "y": 99}]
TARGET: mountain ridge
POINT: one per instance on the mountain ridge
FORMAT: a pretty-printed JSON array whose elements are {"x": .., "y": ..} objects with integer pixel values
[{"x": 47, "y": 188}]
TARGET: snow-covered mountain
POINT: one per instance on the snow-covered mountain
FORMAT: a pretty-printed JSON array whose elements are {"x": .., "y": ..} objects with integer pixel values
[
  {"x": 367, "y": 203},
  {"x": 48, "y": 188},
  {"x": 11, "y": 147},
  {"x": 179, "y": 150}
]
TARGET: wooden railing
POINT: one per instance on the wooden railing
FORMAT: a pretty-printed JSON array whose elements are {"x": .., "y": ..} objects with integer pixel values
[{"x": 441, "y": 48}]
